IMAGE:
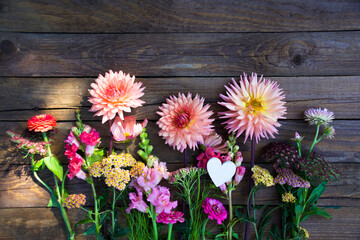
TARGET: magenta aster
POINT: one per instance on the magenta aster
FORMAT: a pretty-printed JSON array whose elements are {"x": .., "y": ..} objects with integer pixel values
[
  {"x": 215, "y": 209},
  {"x": 114, "y": 94},
  {"x": 184, "y": 121},
  {"x": 254, "y": 107},
  {"x": 170, "y": 218}
]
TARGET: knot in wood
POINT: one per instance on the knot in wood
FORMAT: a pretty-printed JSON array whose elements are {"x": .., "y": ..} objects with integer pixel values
[
  {"x": 7, "y": 47},
  {"x": 298, "y": 59}
]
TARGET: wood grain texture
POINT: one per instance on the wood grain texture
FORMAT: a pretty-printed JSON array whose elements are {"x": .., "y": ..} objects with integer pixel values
[
  {"x": 38, "y": 223},
  {"x": 198, "y": 54},
  {"x": 23, "y": 95},
  {"x": 179, "y": 16},
  {"x": 19, "y": 189},
  {"x": 344, "y": 148}
]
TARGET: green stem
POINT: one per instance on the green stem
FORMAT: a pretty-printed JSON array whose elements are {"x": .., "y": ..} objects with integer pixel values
[
  {"x": 97, "y": 226},
  {"x": 63, "y": 184},
  {"x": 170, "y": 231},
  {"x": 254, "y": 213},
  {"x": 204, "y": 228},
  {"x": 230, "y": 214},
  {"x": 113, "y": 211},
  {"x": 315, "y": 140},
  {"x": 190, "y": 209},
  {"x": 153, "y": 219}
]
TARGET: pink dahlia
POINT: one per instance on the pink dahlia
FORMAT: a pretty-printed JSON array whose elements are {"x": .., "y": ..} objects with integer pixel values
[
  {"x": 184, "y": 121},
  {"x": 170, "y": 218},
  {"x": 114, "y": 94},
  {"x": 254, "y": 107},
  {"x": 215, "y": 209},
  {"x": 127, "y": 129}
]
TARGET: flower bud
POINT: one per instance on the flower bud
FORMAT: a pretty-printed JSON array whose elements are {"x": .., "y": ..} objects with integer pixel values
[
  {"x": 238, "y": 159},
  {"x": 239, "y": 174},
  {"x": 223, "y": 188},
  {"x": 151, "y": 160},
  {"x": 236, "y": 148}
]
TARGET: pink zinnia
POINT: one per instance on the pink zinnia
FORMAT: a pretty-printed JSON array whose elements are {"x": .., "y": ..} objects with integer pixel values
[
  {"x": 137, "y": 202},
  {"x": 114, "y": 94},
  {"x": 254, "y": 107},
  {"x": 170, "y": 218},
  {"x": 184, "y": 121},
  {"x": 215, "y": 209},
  {"x": 41, "y": 123},
  {"x": 127, "y": 129},
  {"x": 160, "y": 199},
  {"x": 204, "y": 157}
]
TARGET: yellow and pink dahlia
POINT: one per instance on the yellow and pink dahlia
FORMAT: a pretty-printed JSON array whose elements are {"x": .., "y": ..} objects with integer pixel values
[
  {"x": 184, "y": 121},
  {"x": 113, "y": 94},
  {"x": 254, "y": 107}
]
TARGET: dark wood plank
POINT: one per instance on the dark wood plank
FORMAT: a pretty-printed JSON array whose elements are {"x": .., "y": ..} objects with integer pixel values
[
  {"x": 179, "y": 16},
  {"x": 37, "y": 223},
  {"x": 344, "y": 148},
  {"x": 19, "y": 189},
  {"x": 212, "y": 54},
  {"x": 62, "y": 95}
]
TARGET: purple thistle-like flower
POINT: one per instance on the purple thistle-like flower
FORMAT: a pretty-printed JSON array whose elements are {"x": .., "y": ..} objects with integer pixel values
[
  {"x": 287, "y": 176},
  {"x": 318, "y": 116}
]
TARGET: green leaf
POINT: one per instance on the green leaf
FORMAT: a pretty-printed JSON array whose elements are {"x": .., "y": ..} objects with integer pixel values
[
  {"x": 38, "y": 164},
  {"x": 53, "y": 165},
  {"x": 84, "y": 221},
  {"x": 90, "y": 231},
  {"x": 96, "y": 157},
  {"x": 298, "y": 210},
  {"x": 316, "y": 193},
  {"x": 53, "y": 202},
  {"x": 142, "y": 154},
  {"x": 315, "y": 211}
]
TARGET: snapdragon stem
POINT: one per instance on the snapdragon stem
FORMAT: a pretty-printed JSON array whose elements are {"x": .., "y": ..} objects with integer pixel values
[
  {"x": 153, "y": 219},
  {"x": 96, "y": 213},
  {"x": 230, "y": 214}
]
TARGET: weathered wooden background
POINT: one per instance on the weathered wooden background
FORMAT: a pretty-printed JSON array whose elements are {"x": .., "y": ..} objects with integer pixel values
[{"x": 50, "y": 52}]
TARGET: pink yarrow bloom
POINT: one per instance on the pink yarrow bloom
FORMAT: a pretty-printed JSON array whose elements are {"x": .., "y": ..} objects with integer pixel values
[
  {"x": 204, "y": 157},
  {"x": 160, "y": 199},
  {"x": 184, "y": 121},
  {"x": 113, "y": 94},
  {"x": 215, "y": 210},
  {"x": 127, "y": 129},
  {"x": 254, "y": 107},
  {"x": 137, "y": 202},
  {"x": 170, "y": 218}
]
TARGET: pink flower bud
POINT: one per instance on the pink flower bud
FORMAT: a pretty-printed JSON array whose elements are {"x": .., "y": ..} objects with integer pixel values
[
  {"x": 238, "y": 159},
  {"x": 223, "y": 188},
  {"x": 239, "y": 174}
]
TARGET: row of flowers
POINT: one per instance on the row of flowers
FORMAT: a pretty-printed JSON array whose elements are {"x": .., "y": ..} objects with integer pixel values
[{"x": 135, "y": 188}]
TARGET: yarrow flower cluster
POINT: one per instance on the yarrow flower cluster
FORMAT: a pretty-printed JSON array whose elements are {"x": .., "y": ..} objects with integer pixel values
[
  {"x": 41, "y": 123},
  {"x": 254, "y": 107},
  {"x": 319, "y": 116},
  {"x": 184, "y": 121},
  {"x": 262, "y": 176},
  {"x": 115, "y": 93},
  {"x": 74, "y": 201},
  {"x": 215, "y": 210},
  {"x": 288, "y": 197},
  {"x": 170, "y": 218},
  {"x": 30, "y": 146},
  {"x": 287, "y": 176}
]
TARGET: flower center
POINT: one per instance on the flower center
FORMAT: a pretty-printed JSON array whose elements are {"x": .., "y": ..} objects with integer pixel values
[
  {"x": 127, "y": 135},
  {"x": 182, "y": 120},
  {"x": 254, "y": 105}
]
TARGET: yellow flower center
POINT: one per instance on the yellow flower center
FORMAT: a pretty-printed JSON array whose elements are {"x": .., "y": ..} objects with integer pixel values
[
  {"x": 127, "y": 135},
  {"x": 254, "y": 105}
]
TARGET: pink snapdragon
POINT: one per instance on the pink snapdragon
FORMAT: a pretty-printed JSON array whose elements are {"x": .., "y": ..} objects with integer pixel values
[
  {"x": 75, "y": 168},
  {"x": 160, "y": 198},
  {"x": 215, "y": 209},
  {"x": 137, "y": 202},
  {"x": 70, "y": 151},
  {"x": 239, "y": 174},
  {"x": 90, "y": 139},
  {"x": 72, "y": 140},
  {"x": 170, "y": 218},
  {"x": 204, "y": 157},
  {"x": 149, "y": 179}
]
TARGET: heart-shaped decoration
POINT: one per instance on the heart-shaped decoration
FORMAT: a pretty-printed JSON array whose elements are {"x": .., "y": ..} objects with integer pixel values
[{"x": 220, "y": 173}]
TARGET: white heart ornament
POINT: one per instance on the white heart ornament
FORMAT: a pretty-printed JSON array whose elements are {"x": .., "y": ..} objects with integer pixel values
[{"x": 220, "y": 173}]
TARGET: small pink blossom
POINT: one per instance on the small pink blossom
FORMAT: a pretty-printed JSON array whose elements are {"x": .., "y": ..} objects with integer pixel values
[
  {"x": 127, "y": 129},
  {"x": 92, "y": 138},
  {"x": 70, "y": 151},
  {"x": 239, "y": 174},
  {"x": 225, "y": 158},
  {"x": 223, "y": 188},
  {"x": 238, "y": 159},
  {"x": 137, "y": 202},
  {"x": 161, "y": 167},
  {"x": 160, "y": 198},
  {"x": 215, "y": 210},
  {"x": 170, "y": 218},
  {"x": 204, "y": 157},
  {"x": 149, "y": 179},
  {"x": 72, "y": 140},
  {"x": 75, "y": 166}
]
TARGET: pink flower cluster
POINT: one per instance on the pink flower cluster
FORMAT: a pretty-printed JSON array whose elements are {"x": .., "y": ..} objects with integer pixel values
[
  {"x": 31, "y": 147},
  {"x": 90, "y": 138},
  {"x": 215, "y": 209},
  {"x": 170, "y": 218},
  {"x": 204, "y": 157}
]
